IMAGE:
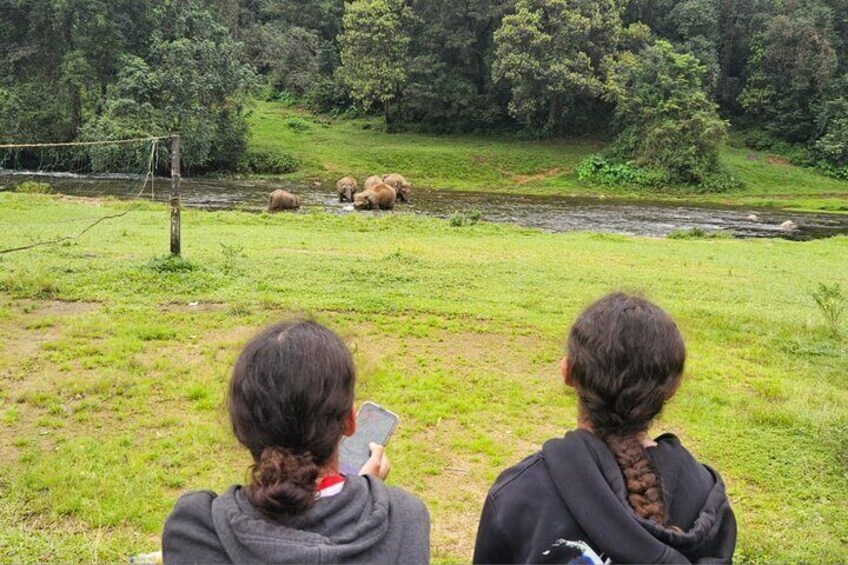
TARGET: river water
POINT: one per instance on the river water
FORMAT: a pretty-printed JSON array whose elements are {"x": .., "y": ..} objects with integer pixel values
[{"x": 548, "y": 213}]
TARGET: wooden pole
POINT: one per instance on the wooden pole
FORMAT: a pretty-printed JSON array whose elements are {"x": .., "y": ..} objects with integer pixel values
[{"x": 175, "y": 195}]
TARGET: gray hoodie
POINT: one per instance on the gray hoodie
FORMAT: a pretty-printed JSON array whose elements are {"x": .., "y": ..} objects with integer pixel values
[{"x": 367, "y": 522}]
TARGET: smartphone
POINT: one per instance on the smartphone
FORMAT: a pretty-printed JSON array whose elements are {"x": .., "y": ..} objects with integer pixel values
[{"x": 373, "y": 424}]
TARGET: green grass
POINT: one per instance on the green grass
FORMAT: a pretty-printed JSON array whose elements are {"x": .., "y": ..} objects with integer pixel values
[
  {"x": 111, "y": 383},
  {"x": 333, "y": 148}
]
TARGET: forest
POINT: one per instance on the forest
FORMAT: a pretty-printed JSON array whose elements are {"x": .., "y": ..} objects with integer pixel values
[{"x": 660, "y": 80}]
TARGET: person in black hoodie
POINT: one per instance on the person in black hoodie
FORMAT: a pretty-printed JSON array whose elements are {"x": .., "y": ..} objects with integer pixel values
[
  {"x": 606, "y": 492},
  {"x": 290, "y": 402}
]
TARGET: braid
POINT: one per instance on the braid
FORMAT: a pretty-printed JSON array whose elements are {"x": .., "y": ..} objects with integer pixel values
[
  {"x": 626, "y": 359},
  {"x": 641, "y": 477}
]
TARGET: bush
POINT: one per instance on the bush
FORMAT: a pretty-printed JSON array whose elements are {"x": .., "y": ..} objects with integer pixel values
[
  {"x": 832, "y": 302},
  {"x": 667, "y": 121},
  {"x": 460, "y": 219},
  {"x": 171, "y": 264},
  {"x": 327, "y": 95},
  {"x": 297, "y": 124},
  {"x": 260, "y": 161},
  {"x": 831, "y": 170},
  {"x": 698, "y": 233},
  {"x": 33, "y": 187},
  {"x": 599, "y": 169}
]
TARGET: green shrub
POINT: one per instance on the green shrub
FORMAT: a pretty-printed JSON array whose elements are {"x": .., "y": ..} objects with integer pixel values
[
  {"x": 698, "y": 233},
  {"x": 286, "y": 98},
  {"x": 667, "y": 121},
  {"x": 232, "y": 257},
  {"x": 171, "y": 264},
  {"x": 601, "y": 170},
  {"x": 831, "y": 170},
  {"x": 832, "y": 302},
  {"x": 460, "y": 219},
  {"x": 260, "y": 161},
  {"x": 297, "y": 124},
  {"x": 33, "y": 187}
]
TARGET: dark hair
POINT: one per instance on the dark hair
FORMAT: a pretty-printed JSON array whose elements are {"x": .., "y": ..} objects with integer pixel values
[
  {"x": 290, "y": 392},
  {"x": 626, "y": 358}
]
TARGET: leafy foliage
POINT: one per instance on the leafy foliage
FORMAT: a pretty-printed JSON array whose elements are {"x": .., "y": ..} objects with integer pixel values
[
  {"x": 833, "y": 303},
  {"x": 124, "y": 69},
  {"x": 551, "y": 52},
  {"x": 793, "y": 63},
  {"x": 666, "y": 120},
  {"x": 599, "y": 169},
  {"x": 374, "y": 51}
]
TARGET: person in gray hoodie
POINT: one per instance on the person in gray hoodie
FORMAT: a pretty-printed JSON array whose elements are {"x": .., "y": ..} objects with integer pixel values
[
  {"x": 606, "y": 492},
  {"x": 291, "y": 400}
]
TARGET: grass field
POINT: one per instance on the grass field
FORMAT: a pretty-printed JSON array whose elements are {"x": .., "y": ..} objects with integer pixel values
[
  {"x": 333, "y": 148},
  {"x": 113, "y": 364}
]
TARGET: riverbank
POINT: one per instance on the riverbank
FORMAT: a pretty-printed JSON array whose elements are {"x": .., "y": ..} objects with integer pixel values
[
  {"x": 114, "y": 363},
  {"x": 330, "y": 148}
]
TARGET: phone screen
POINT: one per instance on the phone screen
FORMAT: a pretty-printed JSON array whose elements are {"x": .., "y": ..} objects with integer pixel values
[{"x": 373, "y": 424}]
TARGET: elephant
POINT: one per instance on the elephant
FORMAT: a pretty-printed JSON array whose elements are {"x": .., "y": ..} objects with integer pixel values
[
  {"x": 372, "y": 181},
  {"x": 401, "y": 186},
  {"x": 346, "y": 188},
  {"x": 381, "y": 197},
  {"x": 282, "y": 200}
]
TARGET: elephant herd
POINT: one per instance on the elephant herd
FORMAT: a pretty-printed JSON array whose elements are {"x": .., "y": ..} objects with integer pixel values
[{"x": 378, "y": 193}]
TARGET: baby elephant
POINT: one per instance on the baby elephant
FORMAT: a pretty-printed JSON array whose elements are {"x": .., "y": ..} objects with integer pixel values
[
  {"x": 401, "y": 186},
  {"x": 346, "y": 188},
  {"x": 378, "y": 197},
  {"x": 372, "y": 181},
  {"x": 282, "y": 200}
]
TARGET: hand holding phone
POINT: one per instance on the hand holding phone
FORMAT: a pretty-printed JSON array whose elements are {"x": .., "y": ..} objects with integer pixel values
[
  {"x": 378, "y": 464},
  {"x": 363, "y": 451}
]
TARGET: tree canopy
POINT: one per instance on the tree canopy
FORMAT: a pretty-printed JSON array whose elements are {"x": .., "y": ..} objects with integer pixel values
[{"x": 72, "y": 68}]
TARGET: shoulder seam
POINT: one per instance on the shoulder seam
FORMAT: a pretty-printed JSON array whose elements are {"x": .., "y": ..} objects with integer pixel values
[{"x": 496, "y": 489}]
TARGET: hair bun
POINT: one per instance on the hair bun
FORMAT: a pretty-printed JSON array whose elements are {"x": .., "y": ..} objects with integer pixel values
[{"x": 283, "y": 482}]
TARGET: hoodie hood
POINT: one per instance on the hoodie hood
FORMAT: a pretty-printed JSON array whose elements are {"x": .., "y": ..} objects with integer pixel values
[
  {"x": 591, "y": 484},
  {"x": 337, "y": 529}
]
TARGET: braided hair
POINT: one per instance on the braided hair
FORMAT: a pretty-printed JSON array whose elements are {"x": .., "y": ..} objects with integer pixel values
[{"x": 626, "y": 359}]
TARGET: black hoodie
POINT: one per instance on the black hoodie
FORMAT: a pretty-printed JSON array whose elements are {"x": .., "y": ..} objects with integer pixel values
[{"x": 574, "y": 490}]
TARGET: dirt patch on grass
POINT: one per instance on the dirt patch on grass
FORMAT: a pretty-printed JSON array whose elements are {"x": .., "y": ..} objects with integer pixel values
[
  {"x": 195, "y": 307},
  {"x": 518, "y": 178},
  {"x": 56, "y": 307},
  {"x": 524, "y": 179},
  {"x": 778, "y": 161}
]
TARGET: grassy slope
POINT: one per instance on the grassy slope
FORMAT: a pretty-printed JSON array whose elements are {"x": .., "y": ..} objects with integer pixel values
[
  {"x": 335, "y": 148},
  {"x": 110, "y": 406}
]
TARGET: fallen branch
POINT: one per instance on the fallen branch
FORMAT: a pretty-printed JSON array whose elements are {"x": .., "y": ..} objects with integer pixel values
[{"x": 66, "y": 238}]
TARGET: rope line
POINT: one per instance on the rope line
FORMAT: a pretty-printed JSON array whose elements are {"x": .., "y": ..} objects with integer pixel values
[{"x": 82, "y": 143}]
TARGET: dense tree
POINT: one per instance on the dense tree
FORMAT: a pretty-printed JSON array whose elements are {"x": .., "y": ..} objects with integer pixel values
[
  {"x": 111, "y": 68},
  {"x": 665, "y": 118},
  {"x": 552, "y": 53},
  {"x": 450, "y": 86},
  {"x": 691, "y": 25},
  {"x": 374, "y": 51},
  {"x": 90, "y": 68},
  {"x": 832, "y": 120},
  {"x": 792, "y": 64}
]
